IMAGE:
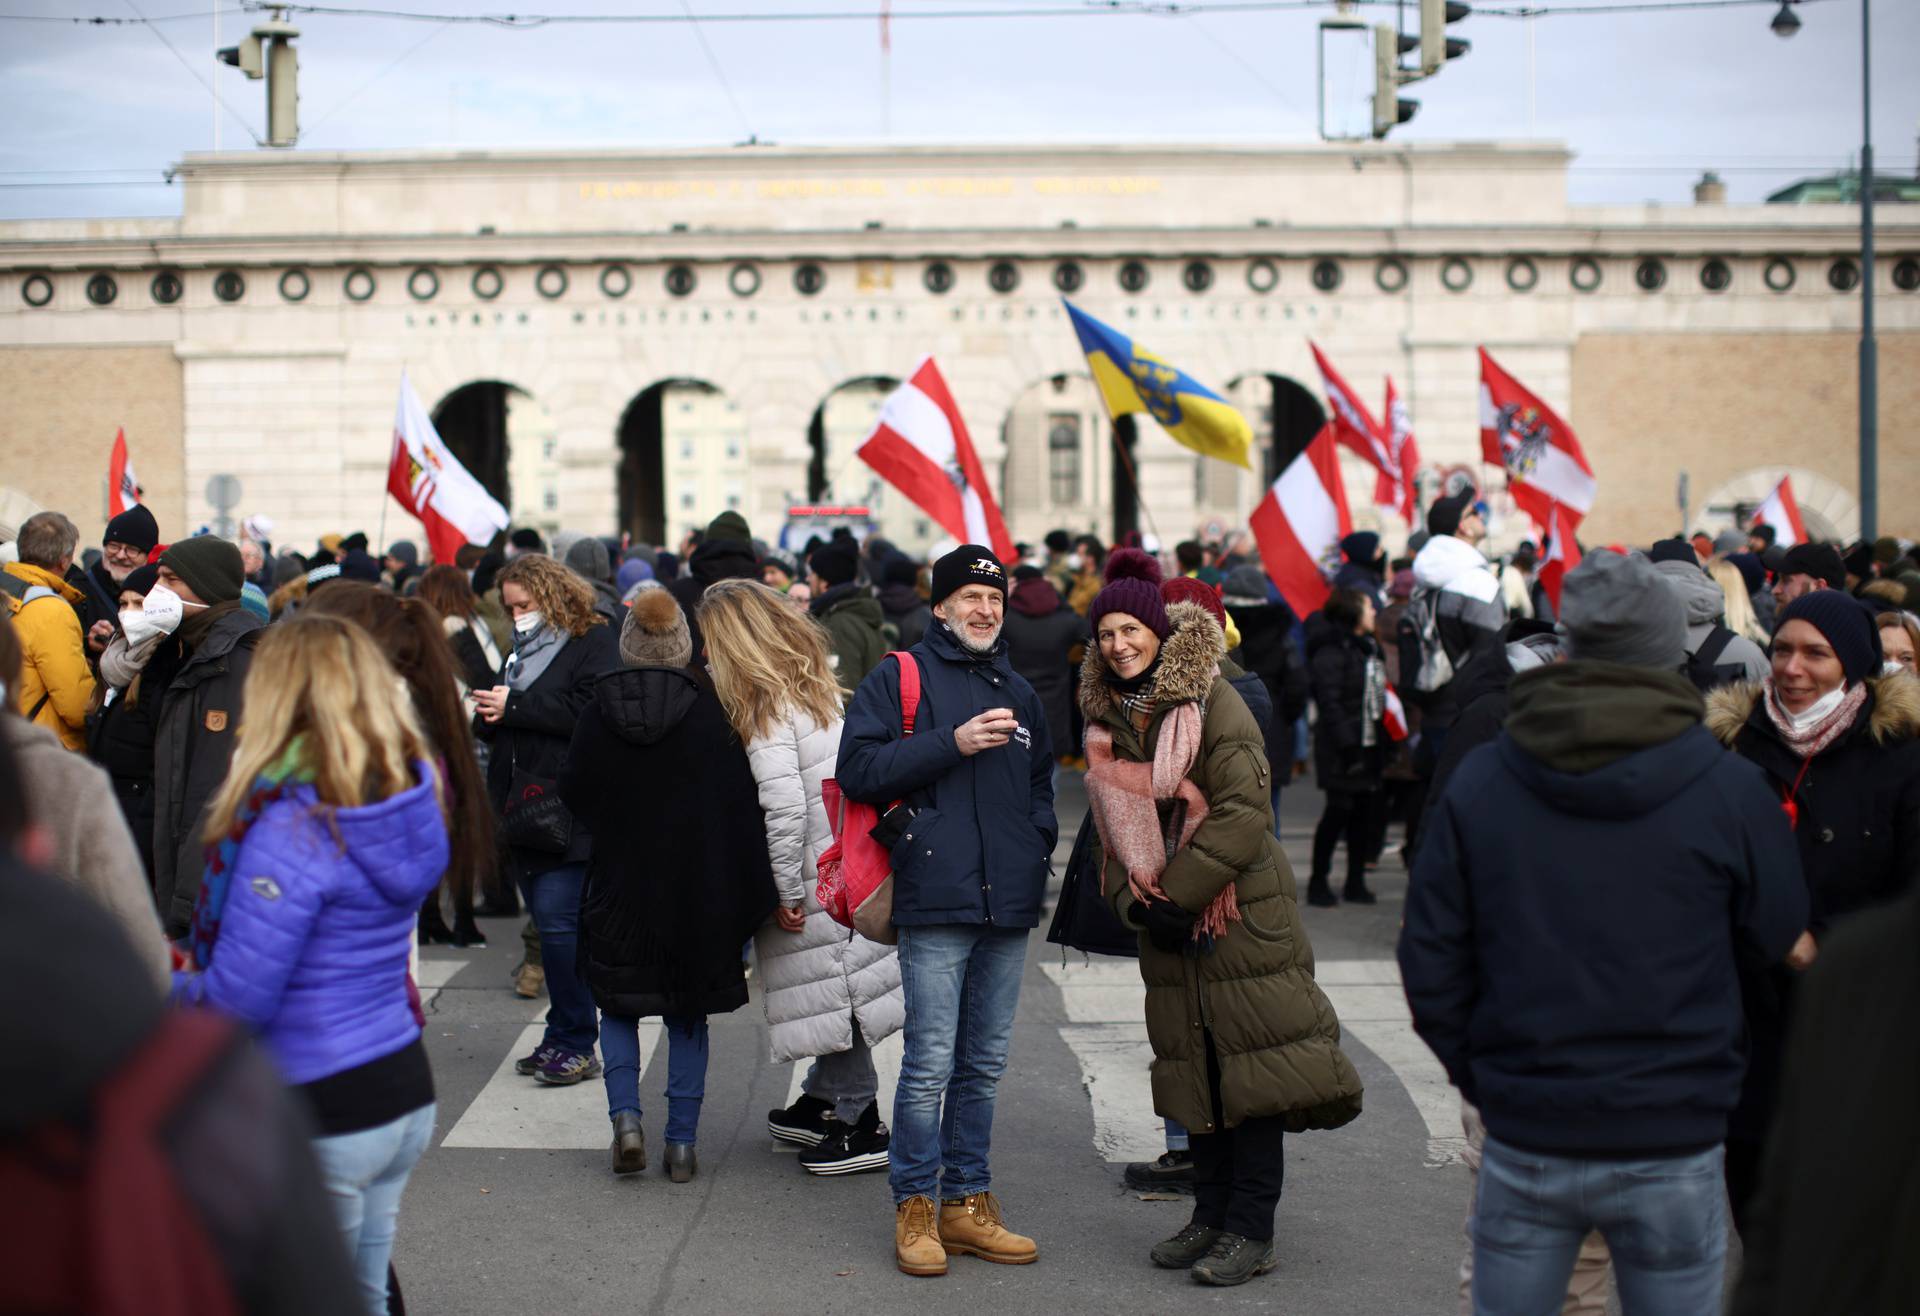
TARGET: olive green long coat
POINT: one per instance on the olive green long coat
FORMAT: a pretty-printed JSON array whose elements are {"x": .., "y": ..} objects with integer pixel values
[{"x": 1274, "y": 1031}]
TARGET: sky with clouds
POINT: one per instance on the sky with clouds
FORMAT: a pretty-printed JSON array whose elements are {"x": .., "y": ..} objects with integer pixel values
[{"x": 91, "y": 116}]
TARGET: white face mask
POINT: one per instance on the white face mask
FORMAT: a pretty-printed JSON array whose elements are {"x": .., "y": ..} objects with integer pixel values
[
  {"x": 1075, "y": 561},
  {"x": 527, "y": 623},
  {"x": 1817, "y": 710},
  {"x": 160, "y": 614}
]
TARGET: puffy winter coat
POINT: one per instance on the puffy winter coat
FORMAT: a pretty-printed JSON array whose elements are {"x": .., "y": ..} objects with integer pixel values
[
  {"x": 820, "y": 980},
  {"x": 853, "y": 619},
  {"x": 1706, "y": 606},
  {"x": 1040, "y": 630},
  {"x": 1269, "y": 651},
  {"x": 981, "y": 846},
  {"x": 1344, "y": 763},
  {"x": 1469, "y": 613},
  {"x": 1273, "y": 1030},
  {"x": 906, "y": 612},
  {"x": 318, "y": 928},
  {"x": 55, "y": 678}
]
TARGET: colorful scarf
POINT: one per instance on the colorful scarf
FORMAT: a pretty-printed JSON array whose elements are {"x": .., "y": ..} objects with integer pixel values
[
  {"x": 1807, "y": 741},
  {"x": 281, "y": 776}
]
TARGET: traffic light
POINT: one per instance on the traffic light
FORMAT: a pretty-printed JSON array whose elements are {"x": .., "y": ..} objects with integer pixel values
[
  {"x": 269, "y": 54},
  {"x": 1436, "y": 47},
  {"x": 1390, "y": 109}
]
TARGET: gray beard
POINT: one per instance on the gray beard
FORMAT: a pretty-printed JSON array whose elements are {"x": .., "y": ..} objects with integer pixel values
[{"x": 959, "y": 633}]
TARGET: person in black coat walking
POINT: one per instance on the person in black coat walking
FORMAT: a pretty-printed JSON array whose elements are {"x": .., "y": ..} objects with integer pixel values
[
  {"x": 1269, "y": 651},
  {"x": 1041, "y": 630},
  {"x": 666, "y": 907},
  {"x": 1349, "y": 741},
  {"x": 900, "y": 601},
  {"x": 561, "y": 646}
]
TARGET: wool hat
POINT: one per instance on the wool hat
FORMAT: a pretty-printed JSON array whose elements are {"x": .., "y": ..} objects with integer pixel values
[
  {"x": 1133, "y": 587},
  {"x": 590, "y": 560},
  {"x": 729, "y": 525},
  {"x": 1674, "y": 550},
  {"x": 1729, "y": 542},
  {"x": 1763, "y": 532},
  {"x": 969, "y": 564},
  {"x": 355, "y": 542},
  {"x": 1247, "y": 582},
  {"x": 1821, "y": 561},
  {"x": 210, "y": 566},
  {"x": 135, "y": 527},
  {"x": 1847, "y": 624},
  {"x": 1886, "y": 550},
  {"x": 1617, "y": 609},
  {"x": 357, "y": 564},
  {"x": 287, "y": 568},
  {"x": 900, "y": 570},
  {"x": 406, "y": 552},
  {"x": 1445, "y": 515},
  {"x": 1185, "y": 589},
  {"x": 1752, "y": 570},
  {"x": 526, "y": 540},
  {"x": 1858, "y": 562},
  {"x": 655, "y": 632},
  {"x": 140, "y": 580},
  {"x": 631, "y": 573},
  {"x": 780, "y": 557},
  {"x": 1362, "y": 546},
  {"x": 1027, "y": 571},
  {"x": 1059, "y": 541},
  {"x": 254, "y": 600},
  {"x": 836, "y": 563}
]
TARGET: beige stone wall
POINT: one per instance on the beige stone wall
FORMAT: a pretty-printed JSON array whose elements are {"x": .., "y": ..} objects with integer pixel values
[
  {"x": 63, "y": 405},
  {"x": 1723, "y": 405}
]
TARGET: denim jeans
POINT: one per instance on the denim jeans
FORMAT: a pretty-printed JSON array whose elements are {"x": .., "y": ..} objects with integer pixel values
[
  {"x": 686, "y": 1070},
  {"x": 846, "y": 1079},
  {"x": 365, "y": 1173},
  {"x": 1177, "y": 1137},
  {"x": 553, "y": 899},
  {"x": 962, "y": 985},
  {"x": 1665, "y": 1222}
]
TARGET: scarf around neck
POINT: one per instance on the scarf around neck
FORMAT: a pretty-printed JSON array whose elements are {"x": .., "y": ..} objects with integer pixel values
[
  {"x": 282, "y": 775},
  {"x": 531, "y": 656},
  {"x": 1135, "y": 694},
  {"x": 1808, "y": 736}
]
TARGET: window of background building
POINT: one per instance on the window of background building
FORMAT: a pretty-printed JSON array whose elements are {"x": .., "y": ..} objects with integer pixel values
[{"x": 1063, "y": 459}]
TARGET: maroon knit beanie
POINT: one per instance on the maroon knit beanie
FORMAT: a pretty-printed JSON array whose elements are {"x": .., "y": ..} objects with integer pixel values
[
  {"x": 1185, "y": 589},
  {"x": 1133, "y": 587}
]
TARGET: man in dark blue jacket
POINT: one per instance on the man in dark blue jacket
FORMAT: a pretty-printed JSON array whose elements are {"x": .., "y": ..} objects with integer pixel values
[
  {"x": 1568, "y": 954},
  {"x": 970, "y": 870}
]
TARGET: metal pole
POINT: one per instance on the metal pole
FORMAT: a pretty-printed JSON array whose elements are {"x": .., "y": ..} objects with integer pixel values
[{"x": 1869, "y": 360}]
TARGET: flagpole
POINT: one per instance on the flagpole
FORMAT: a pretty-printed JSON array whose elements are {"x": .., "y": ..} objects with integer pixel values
[{"x": 1133, "y": 480}]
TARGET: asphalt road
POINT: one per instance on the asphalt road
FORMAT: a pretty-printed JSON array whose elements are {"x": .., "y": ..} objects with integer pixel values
[{"x": 514, "y": 1208}]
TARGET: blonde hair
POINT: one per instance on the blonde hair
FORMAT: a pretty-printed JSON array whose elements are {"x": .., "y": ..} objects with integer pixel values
[
  {"x": 561, "y": 595},
  {"x": 1739, "y": 616},
  {"x": 324, "y": 678},
  {"x": 767, "y": 658}
]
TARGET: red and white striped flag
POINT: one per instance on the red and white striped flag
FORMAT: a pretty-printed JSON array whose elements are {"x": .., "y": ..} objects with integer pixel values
[
  {"x": 1396, "y": 716},
  {"x": 1526, "y": 438},
  {"x": 920, "y": 446},
  {"x": 123, "y": 486},
  {"x": 1405, "y": 453},
  {"x": 1356, "y": 429},
  {"x": 428, "y": 480},
  {"x": 1782, "y": 512},
  {"x": 1563, "y": 554},
  {"x": 1299, "y": 524}
]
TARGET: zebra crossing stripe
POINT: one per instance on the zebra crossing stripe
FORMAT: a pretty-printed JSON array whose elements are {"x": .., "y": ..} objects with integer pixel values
[{"x": 514, "y": 1111}]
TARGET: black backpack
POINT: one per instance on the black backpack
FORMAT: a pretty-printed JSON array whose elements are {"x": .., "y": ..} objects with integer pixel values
[{"x": 1703, "y": 668}]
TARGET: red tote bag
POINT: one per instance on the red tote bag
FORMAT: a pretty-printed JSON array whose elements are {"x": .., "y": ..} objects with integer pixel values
[{"x": 856, "y": 872}]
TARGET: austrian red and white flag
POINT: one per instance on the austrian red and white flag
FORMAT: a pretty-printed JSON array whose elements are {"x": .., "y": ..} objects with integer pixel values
[
  {"x": 1782, "y": 513},
  {"x": 1563, "y": 554},
  {"x": 920, "y": 446},
  {"x": 1300, "y": 523},
  {"x": 428, "y": 480},
  {"x": 1526, "y": 438},
  {"x": 1405, "y": 453},
  {"x": 1356, "y": 429},
  {"x": 123, "y": 486},
  {"x": 1395, "y": 718}
]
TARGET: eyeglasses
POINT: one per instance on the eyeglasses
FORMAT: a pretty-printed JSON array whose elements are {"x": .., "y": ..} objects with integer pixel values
[{"x": 116, "y": 552}]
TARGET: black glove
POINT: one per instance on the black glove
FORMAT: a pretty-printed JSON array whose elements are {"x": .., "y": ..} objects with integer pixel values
[{"x": 1169, "y": 927}]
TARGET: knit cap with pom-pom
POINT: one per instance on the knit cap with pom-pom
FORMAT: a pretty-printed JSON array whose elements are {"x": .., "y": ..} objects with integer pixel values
[
  {"x": 1133, "y": 587},
  {"x": 655, "y": 632}
]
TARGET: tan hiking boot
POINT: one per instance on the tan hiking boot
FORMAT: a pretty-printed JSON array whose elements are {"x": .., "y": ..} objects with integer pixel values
[
  {"x": 916, "y": 1238},
  {"x": 973, "y": 1225},
  {"x": 529, "y": 981}
]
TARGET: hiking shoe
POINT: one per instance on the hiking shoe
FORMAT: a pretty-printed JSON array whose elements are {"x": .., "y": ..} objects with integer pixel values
[
  {"x": 1233, "y": 1260},
  {"x": 1172, "y": 1173},
  {"x": 529, "y": 981},
  {"x": 1185, "y": 1247},
  {"x": 527, "y": 1065},
  {"x": 916, "y": 1238},
  {"x": 850, "y": 1148},
  {"x": 804, "y": 1123},
  {"x": 568, "y": 1067},
  {"x": 629, "y": 1144},
  {"x": 973, "y": 1224}
]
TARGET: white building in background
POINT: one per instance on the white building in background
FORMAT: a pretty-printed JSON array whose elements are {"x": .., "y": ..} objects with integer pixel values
[{"x": 639, "y": 340}]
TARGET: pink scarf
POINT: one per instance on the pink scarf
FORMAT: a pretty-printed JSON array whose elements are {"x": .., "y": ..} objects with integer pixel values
[
  {"x": 1126, "y": 799},
  {"x": 1809, "y": 741}
]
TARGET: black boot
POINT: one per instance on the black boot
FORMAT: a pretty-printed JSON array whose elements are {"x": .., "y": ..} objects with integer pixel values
[
  {"x": 1320, "y": 893},
  {"x": 467, "y": 934},
  {"x": 433, "y": 925},
  {"x": 1355, "y": 892}
]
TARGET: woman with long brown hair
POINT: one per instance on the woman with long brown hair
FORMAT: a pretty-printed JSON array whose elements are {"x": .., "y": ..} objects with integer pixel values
[
  {"x": 830, "y": 993},
  {"x": 560, "y": 647},
  {"x": 475, "y": 654},
  {"x": 408, "y": 632}
]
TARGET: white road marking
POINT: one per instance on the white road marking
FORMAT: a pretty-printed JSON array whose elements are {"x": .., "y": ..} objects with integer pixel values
[
  {"x": 1367, "y": 996},
  {"x": 886, "y": 1064},
  {"x": 515, "y": 1111},
  {"x": 432, "y": 975}
]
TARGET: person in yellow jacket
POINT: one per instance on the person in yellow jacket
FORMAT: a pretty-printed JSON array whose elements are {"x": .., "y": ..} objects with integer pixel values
[{"x": 56, "y": 683}]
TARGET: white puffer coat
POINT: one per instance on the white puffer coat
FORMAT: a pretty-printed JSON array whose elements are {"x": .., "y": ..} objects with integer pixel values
[{"x": 820, "y": 979}]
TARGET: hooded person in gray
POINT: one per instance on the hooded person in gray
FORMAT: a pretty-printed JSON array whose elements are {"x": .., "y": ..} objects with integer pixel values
[{"x": 1733, "y": 657}]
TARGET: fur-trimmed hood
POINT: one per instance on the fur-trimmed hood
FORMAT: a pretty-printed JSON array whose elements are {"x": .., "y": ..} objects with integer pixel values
[
  {"x": 1895, "y": 712},
  {"x": 1189, "y": 661}
]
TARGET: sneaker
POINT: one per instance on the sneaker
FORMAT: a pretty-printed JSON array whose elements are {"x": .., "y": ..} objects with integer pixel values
[
  {"x": 1233, "y": 1260},
  {"x": 1185, "y": 1247},
  {"x": 804, "y": 1123},
  {"x": 568, "y": 1067},
  {"x": 850, "y": 1148},
  {"x": 541, "y": 1054},
  {"x": 1172, "y": 1173}
]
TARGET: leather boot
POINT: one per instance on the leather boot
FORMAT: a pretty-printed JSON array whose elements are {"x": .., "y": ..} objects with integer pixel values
[
  {"x": 1320, "y": 892},
  {"x": 916, "y": 1238},
  {"x": 682, "y": 1165},
  {"x": 1357, "y": 892},
  {"x": 629, "y": 1144},
  {"x": 973, "y": 1225}
]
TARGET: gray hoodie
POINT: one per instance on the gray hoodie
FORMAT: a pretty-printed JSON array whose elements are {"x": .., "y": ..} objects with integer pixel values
[{"x": 1706, "y": 604}]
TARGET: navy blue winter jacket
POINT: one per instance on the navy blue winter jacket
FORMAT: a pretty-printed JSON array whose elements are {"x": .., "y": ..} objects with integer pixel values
[
  {"x": 979, "y": 849},
  {"x": 1568, "y": 950}
]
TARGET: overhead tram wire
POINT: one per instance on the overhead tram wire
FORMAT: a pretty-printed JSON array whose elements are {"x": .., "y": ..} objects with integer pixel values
[{"x": 194, "y": 73}]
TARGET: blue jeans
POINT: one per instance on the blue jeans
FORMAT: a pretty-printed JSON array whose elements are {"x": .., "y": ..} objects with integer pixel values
[
  {"x": 686, "y": 1070},
  {"x": 365, "y": 1173},
  {"x": 1279, "y": 769},
  {"x": 962, "y": 985},
  {"x": 1665, "y": 1222},
  {"x": 1177, "y": 1137},
  {"x": 553, "y": 898}
]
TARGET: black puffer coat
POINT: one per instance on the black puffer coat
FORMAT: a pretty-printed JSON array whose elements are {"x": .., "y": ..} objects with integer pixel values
[
  {"x": 675, "y": 889},
  {"x": 1342, "y": 761},
  {"x": 1041, "y": 630},
  {"x": 1268, "y": 651}
]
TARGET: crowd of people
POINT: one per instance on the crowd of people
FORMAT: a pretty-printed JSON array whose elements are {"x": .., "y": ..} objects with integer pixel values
[{"x": 1654, "y": 821}]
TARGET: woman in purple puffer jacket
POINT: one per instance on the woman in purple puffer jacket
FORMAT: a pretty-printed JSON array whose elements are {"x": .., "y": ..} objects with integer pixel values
[{"x": 325, "y": 837}]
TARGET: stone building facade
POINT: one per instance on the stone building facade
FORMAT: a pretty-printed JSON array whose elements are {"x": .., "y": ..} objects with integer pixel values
[{"x": 637, "y": 340}]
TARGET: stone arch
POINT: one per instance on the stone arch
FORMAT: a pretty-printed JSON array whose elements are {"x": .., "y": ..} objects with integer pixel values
[
  {"x": 1059, "y": 467},
  {"x": 507, "y": 439},
  {"x": 683, "y": 459},
  {"x": 1830, "y": 510},
  {"x": 840, "y": 423}
]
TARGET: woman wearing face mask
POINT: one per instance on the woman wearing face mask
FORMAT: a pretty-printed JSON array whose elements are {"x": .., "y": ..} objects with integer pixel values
[
  {"x": 560, "y": 647},
  {"x": 1835, "y": 734},
  {"x": 1900, "y": 641},
  {"x": 120, "y": 730}
]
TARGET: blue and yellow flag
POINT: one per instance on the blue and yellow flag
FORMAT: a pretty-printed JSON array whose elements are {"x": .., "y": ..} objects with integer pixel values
[{"x": 1133, "y": 379}]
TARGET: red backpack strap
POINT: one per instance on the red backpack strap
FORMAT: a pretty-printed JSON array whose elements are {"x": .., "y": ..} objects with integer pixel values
[{"x": 909, "y": 690}]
